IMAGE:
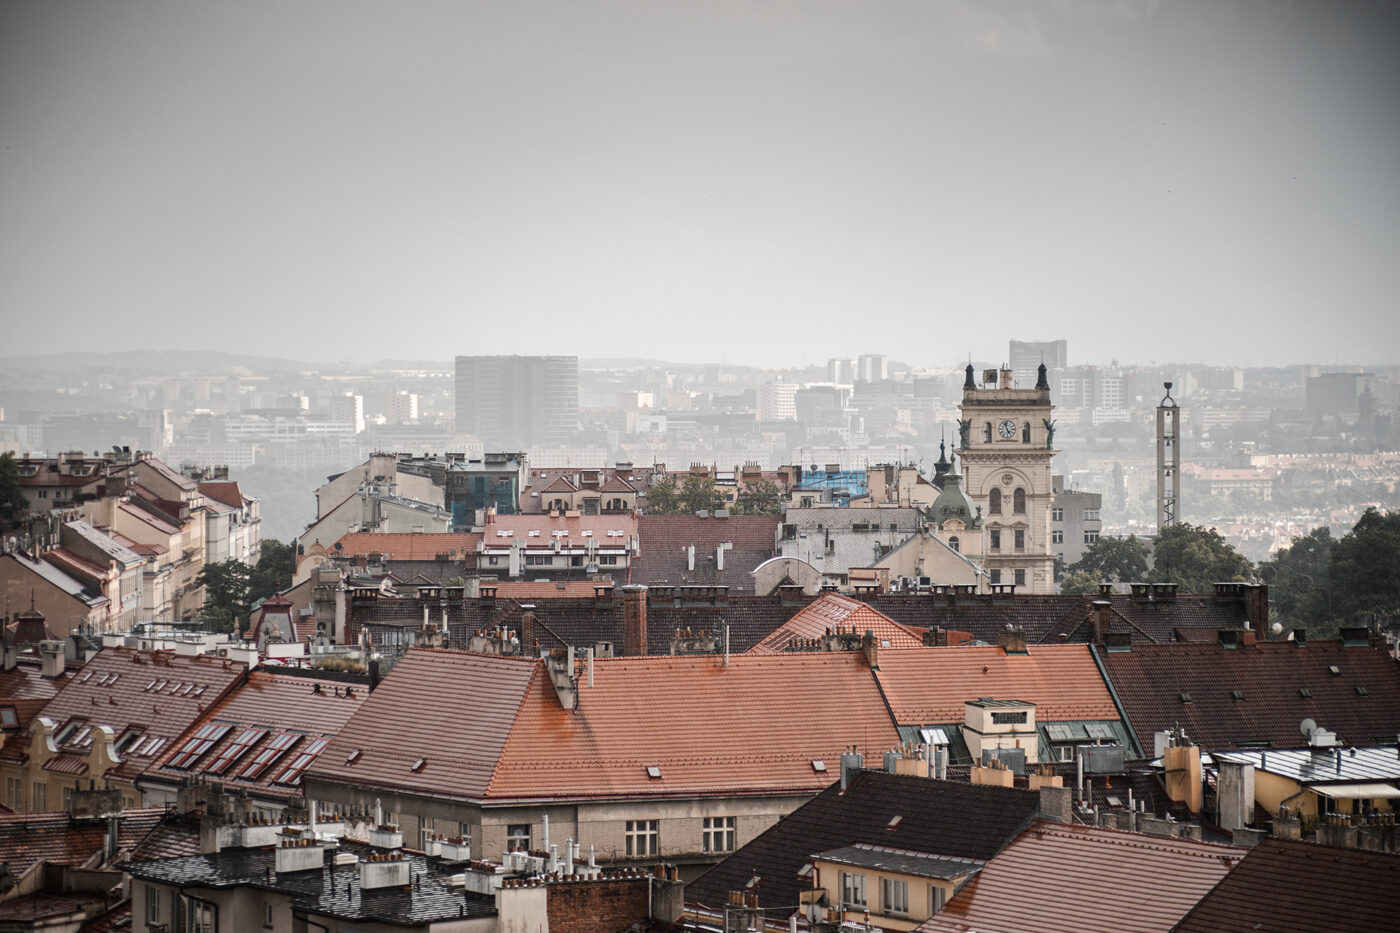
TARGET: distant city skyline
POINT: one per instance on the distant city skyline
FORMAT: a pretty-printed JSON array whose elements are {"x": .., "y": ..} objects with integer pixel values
[{"x": 730, "y": 182}]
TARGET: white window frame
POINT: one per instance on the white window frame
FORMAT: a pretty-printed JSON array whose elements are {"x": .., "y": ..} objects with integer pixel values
[
  {"x": 513, "y": 837},
  {"x": 152, "y": 904},
  {"x": 643, "y": 838},
  {"x": 894, "y": 897},
  {"x": 853, "y": 890},
  {"x": 937, "y": 897},
  {"x": 717, "y": 834}
]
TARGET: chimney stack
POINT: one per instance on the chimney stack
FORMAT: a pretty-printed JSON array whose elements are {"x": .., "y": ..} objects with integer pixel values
[
  {"x": 528, "y": 640},
  {"x": 871, "y": 646},
  {"x": 1103, "y": 621},
  {"x": 1256, "y": 609},
  {"x": 634, "y": 620},
  {"x": 51, "y": 659}
]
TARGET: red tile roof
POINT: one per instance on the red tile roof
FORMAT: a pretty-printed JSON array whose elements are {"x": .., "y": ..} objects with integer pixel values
[
  {"x": 754, "y": 725},
  {"x": 575, "y": 525},
  {"x": 1360, "y": 701},
  {"x": 225, "y": 491},
  {"x": 160, "y": 693},
  {"x": 528, "y": 590},
  {"x": 28, "y": 838},
  {"x": 419, "y": 546},
  {"x": 616, "y": 483},
  {"x": 832, "y": 612},
  {"x": 256, "y": 713},
  {"x": 1298, "y": 887},
  {"x": 560, "y": 484},
  {"x": 927, "y": 686},
  {"x": 666, "y": 541},
  {"x": 74, "y": 565},
  {"x": 1056, "y": 876}
]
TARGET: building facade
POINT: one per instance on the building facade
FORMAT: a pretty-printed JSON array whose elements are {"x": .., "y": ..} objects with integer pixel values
[{"x": 516, "y": 402}]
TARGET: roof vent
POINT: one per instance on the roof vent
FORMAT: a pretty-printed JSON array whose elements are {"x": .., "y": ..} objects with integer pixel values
[{"x": 1185, "y": 697}]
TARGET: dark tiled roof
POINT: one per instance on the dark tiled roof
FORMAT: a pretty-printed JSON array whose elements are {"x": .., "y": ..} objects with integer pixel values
[
  {"x": 1055, "y": 876},
  {"x": 939, "y": 817},
  {"x": 334, "y": 891},
  {"x": 112, "y": 920},
  {"x": 666, "y": 540},
  {"x": 27, "y": 838},
  {"x": 1273, "y": 678},
  {"x": 1296, "y": 887},
  {"x": 273, "y": 706}
]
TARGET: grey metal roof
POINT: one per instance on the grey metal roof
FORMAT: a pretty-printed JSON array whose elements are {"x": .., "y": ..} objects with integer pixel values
[
  {"x": 901, "y": 861},
  {"x": 1336, "y": 765},
  {"x": 63, "y": 581},
  {"x": 332, "y": 891},
  {"x": 99, "y": 539}
]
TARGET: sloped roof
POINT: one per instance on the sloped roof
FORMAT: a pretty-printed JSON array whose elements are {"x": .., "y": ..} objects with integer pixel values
[
  {"x": 1272, "y": 676},
  {"x": 616, "y": 483},
  {"x": 59, "y": 578},
  {"x": 26, "y": 691},
  {"x": 272, "y": 704},
  {"x": 926, "y": 686},
  {"x": 415, "y": 546},
  {"x": 160, "y": 693},
  {"x": 560, "y": 483},
  {"x": 449, "y": 707},
  {"x": 75, "y": 566},
  {"x": 753, "y": 725},
  {"x": 666, "y": 540},
  {"x": 224, "y": 491},
  {"x": 939, "y": 817},
  {"x": 1298, "y": 887},
  {"x": 104, "y": 541},
  {"x": 27, "y": 838},
  {"x": 157, "y": 523},
  {"x": 1056, "y": 876},
  {"x": 831, "y": 612}
]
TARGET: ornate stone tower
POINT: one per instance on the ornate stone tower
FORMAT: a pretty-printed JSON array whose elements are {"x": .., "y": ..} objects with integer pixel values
[
  {"x": 1008, "y": 448},
  {"x": 1168, "y": 461}
]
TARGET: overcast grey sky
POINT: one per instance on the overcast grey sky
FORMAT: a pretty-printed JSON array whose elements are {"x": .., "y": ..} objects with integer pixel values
[{"x": 765, "y": 183}]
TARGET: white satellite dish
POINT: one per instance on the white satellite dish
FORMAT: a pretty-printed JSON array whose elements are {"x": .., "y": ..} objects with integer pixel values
[{"x": 1307, "y": 727}]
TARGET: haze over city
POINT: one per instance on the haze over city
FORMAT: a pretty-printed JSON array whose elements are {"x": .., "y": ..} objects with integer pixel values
[{"x": 753, "y": 184}]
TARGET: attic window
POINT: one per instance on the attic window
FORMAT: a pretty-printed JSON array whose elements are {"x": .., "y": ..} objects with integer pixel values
[
  {"x": 653, "y": 771},
  {"x": 8, "y": 718},
  {"x": 419, "y": 765},
  {"x": 1305, "y": 693},
  {"x": 1361, "y": 691},
  {"x": 1185, "y": 697},
  {"x": 1099, "y": 730},
  {"x": 1237, "y": 694},
  {"x": 354, "y": 756},
  {"x": 1334, "y": 670},
  {"x": 894, "y": 822},
  {"x": 818, "y": 765}
]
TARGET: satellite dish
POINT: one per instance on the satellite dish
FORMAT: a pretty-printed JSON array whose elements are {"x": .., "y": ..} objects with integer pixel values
[
  {"x": 1307, "y": 727},
  {"x": 1276, "y": 628}
]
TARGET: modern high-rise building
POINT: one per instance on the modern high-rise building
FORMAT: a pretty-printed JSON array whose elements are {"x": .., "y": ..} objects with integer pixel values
[
  {"x": 1025, "y": 355},
  {"x": 518, "y": 402}
]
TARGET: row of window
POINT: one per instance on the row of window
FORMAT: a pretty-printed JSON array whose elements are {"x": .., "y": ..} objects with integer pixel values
[
  {"x": 1018, "y": 502},
  {"x": 995, "y": 539},
  {"x": 1057, "y": 514},
  {"x": 1018, "y": 576},
  {"x": 548, "y": 560},
  {"x": 1058, "y": 537},
  {"x": 642, "y": 838},
  {"x": 894, "y": 895}
]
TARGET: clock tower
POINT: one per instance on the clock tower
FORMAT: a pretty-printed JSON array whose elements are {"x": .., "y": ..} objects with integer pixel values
[{"x": 1008, "y": 448}]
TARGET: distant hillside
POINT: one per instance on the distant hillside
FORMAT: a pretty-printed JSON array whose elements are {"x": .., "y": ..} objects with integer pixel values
[{"x": 150, "y": 362}]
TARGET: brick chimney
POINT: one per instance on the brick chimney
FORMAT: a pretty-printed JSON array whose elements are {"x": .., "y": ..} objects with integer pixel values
[
  {"x": 1013, "y": 640},
  {"x": 1103, "y": 619},
  {"x": 634, "y": 620},
  {"x": 1256, "y": 609},
  {"x": 871, "y": 646},
  {"x": 529, "y": 643}
]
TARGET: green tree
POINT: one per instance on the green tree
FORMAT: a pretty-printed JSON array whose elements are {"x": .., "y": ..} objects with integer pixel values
[
  {"x": 1195, "y": 559},
  {"x": 661, "y": 497},
  {"x": 13, "y": 504},
  {"x": 277, "y": 563},
  {"x": 700, "y": 492},
  {"x": 1115, "y": 560},
  {"x": 1080, "y": 581},
  {"x": 1299, "y": 587},
  {"x": 1364, "y": 573},
  {"x": 760, "y": 497},
  {"x": 227, "y": 594}
]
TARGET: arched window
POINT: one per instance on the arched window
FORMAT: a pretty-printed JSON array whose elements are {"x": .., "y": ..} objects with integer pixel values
[
  {"x": 994, "y": 502},
  {"x": 987, "y": 433},
  {"x": 954, "y": 543},
  {"x": 1026, "y": 433},
  {"x": 1018, "y": 502}
]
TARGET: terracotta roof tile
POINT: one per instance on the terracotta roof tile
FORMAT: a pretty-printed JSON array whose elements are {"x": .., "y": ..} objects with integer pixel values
[
  {"x": 1297, "y": 887},
  {"x": 29, "y": 838},
  {"x": 560, "y": 483},
  {"x": 831, "y": 612},
  {"x": 1273, "y": 678},
  {"x": 927, "y": 686},
  {"x": 419, "y": 546},
  {"x": 616, "y": 483},
  {"x": 1055, "y": 876},
  {"x": 225, "y": 491},
  {"x": 267, "y": 706}
]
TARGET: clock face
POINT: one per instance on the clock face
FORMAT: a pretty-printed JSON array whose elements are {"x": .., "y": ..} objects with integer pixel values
[{"x": 1007, "y": 429}]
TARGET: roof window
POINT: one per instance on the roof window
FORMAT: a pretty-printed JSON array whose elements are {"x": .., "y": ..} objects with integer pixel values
[
  {"x": 1237, "y": 694},
  {"x": 653, "y": 772},
  {"x": 1304, "y": 693},
  {"x": 195, "y": 747},
  {"x": 818, "y": 765},
  {"x": 894, "y": 821},
  {"x": 292, "y": 773},
  {"x": 235, "y": 750},
  {"x": 1361, "y": 691},
  {"x": 1185, "y": 697},
  {"x": 354, "y": 756},
  {"x": 1334, "y": 670},
  {"x": 268, "y": 754},
  {"x": 8, "y": 718},
  {"x": 419, "y": 765}
]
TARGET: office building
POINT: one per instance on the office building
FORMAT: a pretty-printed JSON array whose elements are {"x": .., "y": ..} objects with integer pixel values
[{"x": 517, "y": 402}]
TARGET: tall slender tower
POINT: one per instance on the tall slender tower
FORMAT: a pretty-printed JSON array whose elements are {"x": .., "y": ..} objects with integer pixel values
[{"x": 1168, "y": 461}]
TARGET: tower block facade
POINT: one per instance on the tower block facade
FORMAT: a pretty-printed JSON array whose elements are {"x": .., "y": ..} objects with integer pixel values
[{"x": 1008, "y": 450}]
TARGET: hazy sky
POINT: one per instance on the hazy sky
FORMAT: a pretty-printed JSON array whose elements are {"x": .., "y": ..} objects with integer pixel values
[{"x": 766, "y": 183}]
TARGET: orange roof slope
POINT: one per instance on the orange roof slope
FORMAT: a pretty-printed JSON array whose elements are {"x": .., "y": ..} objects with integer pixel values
[
  {"x": 753, "y": 725},
  {"x": 832, "y": 612},
  {"x": 424, "y": 545},
  {"x": 449, "y": 708},
  {"x": 273, "y": 704},
  {"x": 1076, "y": 878},
  {"x": 930, "y": 685}
]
